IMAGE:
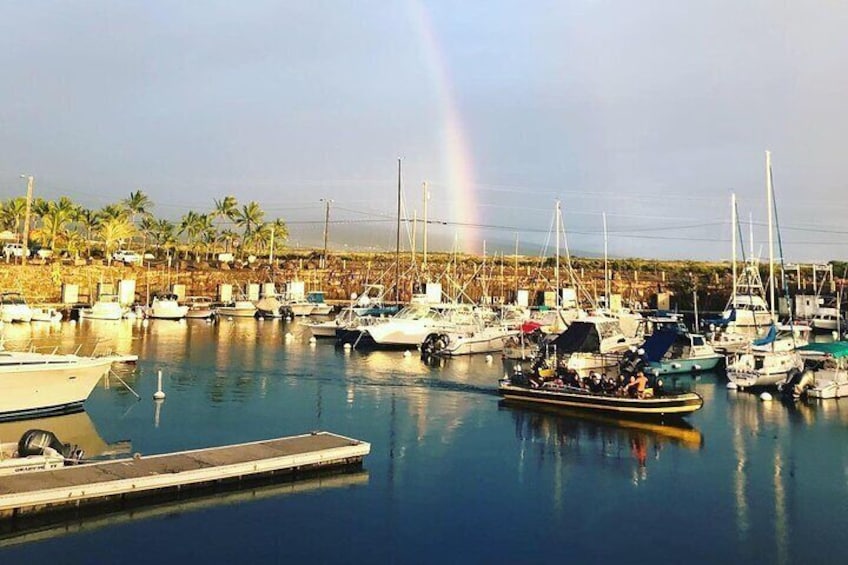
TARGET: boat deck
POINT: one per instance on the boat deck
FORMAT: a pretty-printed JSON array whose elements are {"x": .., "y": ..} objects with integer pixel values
[{"x": 118, "y": 480}]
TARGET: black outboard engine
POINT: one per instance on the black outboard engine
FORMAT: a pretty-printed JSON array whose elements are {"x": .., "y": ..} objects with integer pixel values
[
  {"x": 34, "y": 442},
  {"x": 796, "y": 384}
]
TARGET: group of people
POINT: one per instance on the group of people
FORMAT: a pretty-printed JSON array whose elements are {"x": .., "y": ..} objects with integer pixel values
[{"x": 636, "y": 386}]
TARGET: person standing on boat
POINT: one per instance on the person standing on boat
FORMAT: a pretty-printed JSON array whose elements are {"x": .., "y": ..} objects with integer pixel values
[{"x": 636, "y": 386}]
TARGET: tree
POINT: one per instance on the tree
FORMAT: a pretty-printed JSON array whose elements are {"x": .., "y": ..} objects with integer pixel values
[
  {"x": 87, "y": 220},
  {"x": 227, "y": 207},
  {"x": 112, "y": 231},
  {"x": 54, "y": 217},
  {"x": 249, "y": 218},
  {"x": 12, "y": 213},
  {"x": 137, "y": 204}
]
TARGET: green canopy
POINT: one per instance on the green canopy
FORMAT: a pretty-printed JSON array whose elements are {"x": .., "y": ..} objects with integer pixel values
[{"x": 836, "y": 349}]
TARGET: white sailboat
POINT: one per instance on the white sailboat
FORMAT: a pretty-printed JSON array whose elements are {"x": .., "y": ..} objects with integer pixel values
[{"x": 768, "y": 365}]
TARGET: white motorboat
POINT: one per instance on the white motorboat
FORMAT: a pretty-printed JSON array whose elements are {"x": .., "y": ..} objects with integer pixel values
[
  {"x": 237, "y": 309},
  {"x": 33, "y": 383},
  {"x": 13, "y": 308},
  {"x": 593, "y": 344},
  {"x": 167, "y": 307},
  {"x": 270, "y": 306},
  {"x": 199, "y": 307},
  {"x": 106, "y": 307},
  {"x": 478, "y": 339},
  {"x": 409, "y": 327},
  {"x": 827, "y": 319},
  {"x": 762, "y": 368},
  {"x": 299, "y": 307},
  {"x": 319, "y": 307},
  {"x": 44, "y": 314},
  {"x": 37, "y": 450},
  {"x": 826, "y": 375}
]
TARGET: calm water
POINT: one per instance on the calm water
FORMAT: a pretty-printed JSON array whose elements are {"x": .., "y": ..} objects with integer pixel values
[{"x": 453, "y": 475}]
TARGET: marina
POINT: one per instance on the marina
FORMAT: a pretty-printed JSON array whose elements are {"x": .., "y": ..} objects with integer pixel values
[{"x": 437, "y": 431}]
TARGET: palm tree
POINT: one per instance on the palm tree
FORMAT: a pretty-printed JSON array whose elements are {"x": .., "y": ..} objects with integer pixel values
[
  {"x": 87, "y": 221},
  {"x": 249, "y": 218},
  {"x": 12, "y": 213},
  {"x": 137, "y": 204},
  {"x": 163, "y": 234},
  {"x": 112, "y": 211},
  {"x": 54, "y": 217},
  {"x": 114, "y": 230},
  {"x": 227, "y": 207}
]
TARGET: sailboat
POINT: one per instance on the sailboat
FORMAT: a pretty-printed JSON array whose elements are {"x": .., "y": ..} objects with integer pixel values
[{"x": 765, "y": 365}]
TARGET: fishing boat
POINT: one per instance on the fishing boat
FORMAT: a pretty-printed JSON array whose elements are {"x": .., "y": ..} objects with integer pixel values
[
  {"x": 33, "y": 383},
  {"x": 270, "y": 306},
  {"x": 408, "y": 328},
  {"x": 655, "y": 403},
  {"x": 13, "y": 308},
  {"x": 167, "y": 307}
]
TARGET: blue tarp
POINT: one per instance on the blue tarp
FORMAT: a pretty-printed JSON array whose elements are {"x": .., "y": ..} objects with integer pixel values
[
  {"x": 768, "y": 338},
  {"x": 658, "y": 344}
]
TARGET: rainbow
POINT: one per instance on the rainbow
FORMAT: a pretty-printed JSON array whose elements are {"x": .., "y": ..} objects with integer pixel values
[{"x": 457, "y": 152}]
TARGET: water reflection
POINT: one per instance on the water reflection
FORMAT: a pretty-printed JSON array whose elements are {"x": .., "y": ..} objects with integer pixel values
[
  {"x": 568, "y": 434},
  {"x": 77, "y": 429}
]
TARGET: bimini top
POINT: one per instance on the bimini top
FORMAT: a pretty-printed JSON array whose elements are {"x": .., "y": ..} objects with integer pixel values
[
  {"x": 584, "y": 336},
  {"x": 658, "y": 343},
  {"x": 837, "y": 349}
]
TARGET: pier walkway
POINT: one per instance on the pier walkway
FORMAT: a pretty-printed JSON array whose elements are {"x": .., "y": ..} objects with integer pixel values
[{"x": 122, "y": 479}]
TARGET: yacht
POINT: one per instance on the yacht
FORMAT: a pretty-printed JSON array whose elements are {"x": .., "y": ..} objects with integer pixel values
[
  {"x": 241, "y": 308},
  {"x": 594, "y": 343},
  {"x": 13, "y": 308},
  {"x": 33, "y": 383},
  {"x": 106, "y": 307},
  {"x": 199, "y": 307},
  {"x": 167, "y": 307},
  {"x": 407, "y": 328},
  {"x": 319, "y": 307}
]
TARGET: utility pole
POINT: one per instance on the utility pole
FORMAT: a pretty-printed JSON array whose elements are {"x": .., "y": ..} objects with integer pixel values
[
  {"x": 326, "y": 202},
  {"x": 30, "y": 183}
]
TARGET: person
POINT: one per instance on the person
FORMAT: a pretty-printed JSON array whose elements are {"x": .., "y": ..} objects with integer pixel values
[{"x": 636, "y": 386}]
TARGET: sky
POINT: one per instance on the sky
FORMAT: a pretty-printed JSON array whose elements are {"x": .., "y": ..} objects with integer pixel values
[{"x": 652, "y": 112}]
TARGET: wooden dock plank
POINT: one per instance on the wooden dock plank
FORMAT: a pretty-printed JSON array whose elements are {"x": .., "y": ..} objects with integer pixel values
[{"x": 72, "y": 485}]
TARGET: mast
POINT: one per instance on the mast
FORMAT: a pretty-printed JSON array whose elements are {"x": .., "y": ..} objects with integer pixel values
[
  {"x": 397, "y": 243},
  {"x": 606, "y": 267},
  {"x": 426, "y": 198},
  {"x": 556, "y": 273},
  {"x": 770, "y": 231},
  {"x": 733, "y": 228},
  {"x": 516, "y": 267}
]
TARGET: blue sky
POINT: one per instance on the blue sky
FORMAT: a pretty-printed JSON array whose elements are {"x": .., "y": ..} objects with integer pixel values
[{"x": 650, "y": 111}]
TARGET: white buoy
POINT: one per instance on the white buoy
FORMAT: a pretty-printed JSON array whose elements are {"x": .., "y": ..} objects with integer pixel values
[
  {"x": 261, "y": 318},
  {"x": 145, "y": 322},
  {"x": 289, "y": 335},
  {"x": 288, "y": 318},
  {"x": 407, "y": 353},
  {"x": 73, "y": 323},
  {"x": 312, "y": 340},
  {"x": 696, "y": 367},
  {"x": 765, "y": 397},
  {"x": 159, "y": 394},
  {"x": 489, "y": 358},
  {"x": 732, "y": 386},
  {"x": 230, "y": 318},
  {"x": 347, "y": 346}
]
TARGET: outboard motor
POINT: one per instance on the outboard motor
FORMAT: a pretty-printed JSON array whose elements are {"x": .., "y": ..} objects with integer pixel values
[
  {"x": 432, "y": 344},
  {"x": 632, "y": 362},
  {"x": 36, "y": 442},
  {"x": 796, "y": 383}
]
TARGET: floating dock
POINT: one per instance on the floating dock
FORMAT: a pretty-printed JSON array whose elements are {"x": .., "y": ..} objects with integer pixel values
[{"x": 123, "y": 480}]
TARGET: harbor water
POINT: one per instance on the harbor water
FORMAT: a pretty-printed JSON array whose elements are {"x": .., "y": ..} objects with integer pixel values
[{"x": 454, "y": 475}]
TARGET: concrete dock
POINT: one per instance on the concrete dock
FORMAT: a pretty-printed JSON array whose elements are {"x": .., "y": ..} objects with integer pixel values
[{"x": 121, "y": 480}]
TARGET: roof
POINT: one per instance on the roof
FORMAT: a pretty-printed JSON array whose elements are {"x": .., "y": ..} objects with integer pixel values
[{"x": 836, "y": 349}]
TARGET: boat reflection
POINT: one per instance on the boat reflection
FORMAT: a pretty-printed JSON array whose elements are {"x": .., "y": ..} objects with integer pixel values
[
  {"x": 77, "y": 429},
  {"x": 565, "y": 431},
  {"x": 41, "y": 528}
]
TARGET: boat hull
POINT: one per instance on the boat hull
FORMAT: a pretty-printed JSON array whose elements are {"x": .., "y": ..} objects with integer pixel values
[
  {"x": 667, "y": 405},
  {"x": 680, "y": 366},
  {"x": 33, "y": 388}
]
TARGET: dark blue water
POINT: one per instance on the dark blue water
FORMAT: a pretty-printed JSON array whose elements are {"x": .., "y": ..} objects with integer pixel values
[{"x": 454, "y": 475}]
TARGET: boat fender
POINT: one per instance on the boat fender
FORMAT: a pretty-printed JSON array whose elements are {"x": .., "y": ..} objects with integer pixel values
[{"x": 765, "y": 397}]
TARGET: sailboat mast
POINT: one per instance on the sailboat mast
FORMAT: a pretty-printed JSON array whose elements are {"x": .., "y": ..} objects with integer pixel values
[
  {"x": 606, "y": 266},
  {"x": 556, "y": 274},
  {"x": 397, "y": 243},
  {"x": 770, "y": 231},
  {"x": 733, "y": 228},
  {"x": 426, "y": 198}
]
